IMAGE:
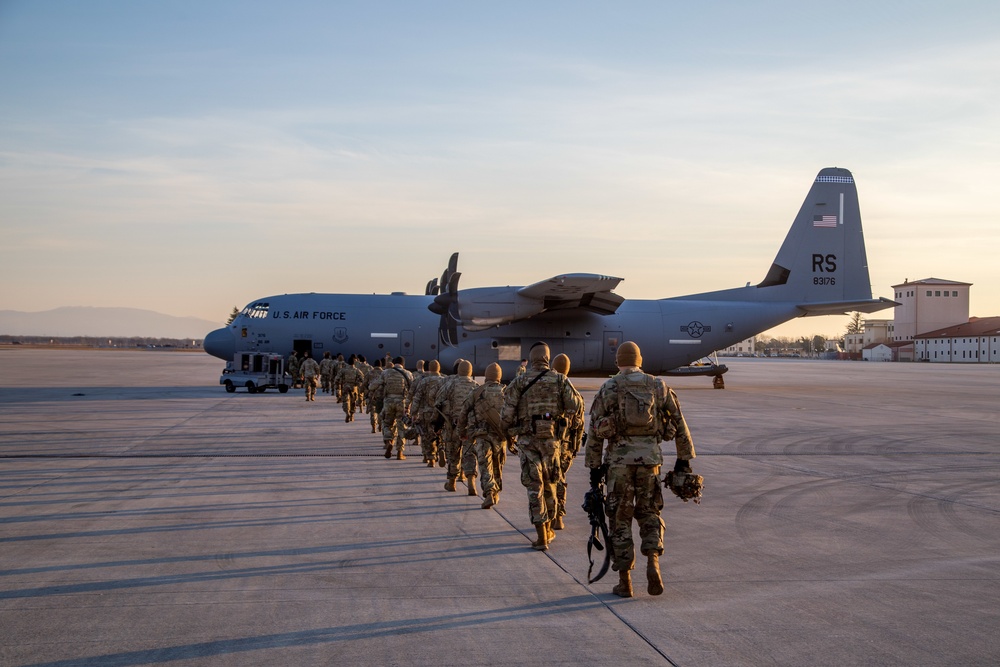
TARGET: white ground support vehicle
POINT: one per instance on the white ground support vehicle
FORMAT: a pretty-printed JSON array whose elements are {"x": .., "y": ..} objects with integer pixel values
[{"x": 257, "y": 371}]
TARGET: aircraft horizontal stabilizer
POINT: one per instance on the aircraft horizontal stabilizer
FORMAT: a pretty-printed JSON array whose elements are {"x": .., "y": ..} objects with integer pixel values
[{"x": 845, "y": 307}]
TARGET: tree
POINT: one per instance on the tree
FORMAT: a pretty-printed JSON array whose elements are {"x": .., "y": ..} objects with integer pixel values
[
  {"x": 805, "y": 344},
  {"x": 232, "y": 315},
  {"x": 854, "y": 325},
  {"x": 819, "y": 344}
]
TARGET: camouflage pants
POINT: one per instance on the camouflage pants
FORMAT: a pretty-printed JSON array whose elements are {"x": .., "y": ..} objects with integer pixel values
[
  {"x": 491, "y": 454},
  {"x": 428, "y": 436},
  {"x": 327, "y": 380},
  {"x": 565, "y": 461},
  {"x": 634, "y": 491},
  {"x": 539, "y": 472},
  {"x": 452, "y": 449},
  {"x": 392, "y": 422},
  {"x": 311, "y": 381},
  {"x": 350, "y": 401}
]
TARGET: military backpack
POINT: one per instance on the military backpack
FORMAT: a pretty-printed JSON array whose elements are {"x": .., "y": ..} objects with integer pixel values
[{"x": 637, "y": 412}]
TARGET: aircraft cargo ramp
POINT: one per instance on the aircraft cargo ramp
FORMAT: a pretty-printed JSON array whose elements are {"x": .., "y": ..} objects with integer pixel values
[{"x": 851, "y": 516}]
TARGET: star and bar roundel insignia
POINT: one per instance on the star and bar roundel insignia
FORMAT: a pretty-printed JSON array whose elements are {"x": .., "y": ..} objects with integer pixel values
[{"x": 696, "y": 329}]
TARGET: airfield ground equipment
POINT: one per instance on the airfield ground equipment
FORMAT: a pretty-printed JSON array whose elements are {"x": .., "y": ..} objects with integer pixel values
[{"x": 257, "y": 371}]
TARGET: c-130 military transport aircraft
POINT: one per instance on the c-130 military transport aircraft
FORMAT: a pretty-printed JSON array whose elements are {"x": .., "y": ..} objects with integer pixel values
[{"x": 820, "y": 269}]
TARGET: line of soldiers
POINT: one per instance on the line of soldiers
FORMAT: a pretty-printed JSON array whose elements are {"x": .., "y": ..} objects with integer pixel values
[{"x": 469, "y": 428}]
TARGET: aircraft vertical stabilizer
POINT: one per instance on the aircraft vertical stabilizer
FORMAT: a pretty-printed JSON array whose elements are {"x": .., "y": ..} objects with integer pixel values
[
  {"x": 821, "y": 268},
  {"x": 823, "y": 257}
]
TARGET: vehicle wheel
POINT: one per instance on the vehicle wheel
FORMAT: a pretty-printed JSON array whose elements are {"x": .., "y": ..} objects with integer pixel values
[
  {"x": 230, "y": 387},
  {"x": 251, "y": 388},
  {"x": 283, "y": 388}
]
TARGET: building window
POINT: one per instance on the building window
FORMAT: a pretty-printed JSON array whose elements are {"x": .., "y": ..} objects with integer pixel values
[
  {"x": 928, "y": 292},
  {"x": 937, "y": 292},
  {"x": 955, "y": 293}
]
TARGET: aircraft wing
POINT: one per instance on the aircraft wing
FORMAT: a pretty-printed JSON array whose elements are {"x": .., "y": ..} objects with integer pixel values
[
  {"x": 485, "y": 307},
  {"x": 845, "y": 307},
  {"x": 576, "y": 290}
]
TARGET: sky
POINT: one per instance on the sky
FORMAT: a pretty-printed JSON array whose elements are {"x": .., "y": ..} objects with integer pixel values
[{"x": 191, "y": 156}]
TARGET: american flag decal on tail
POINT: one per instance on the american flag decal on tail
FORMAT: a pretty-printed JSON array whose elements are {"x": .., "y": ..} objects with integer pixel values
[{"x": 825, "y": 221}]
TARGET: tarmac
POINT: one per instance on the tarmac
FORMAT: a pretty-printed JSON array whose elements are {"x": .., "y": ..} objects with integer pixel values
[{"x": 851, "y": 517}]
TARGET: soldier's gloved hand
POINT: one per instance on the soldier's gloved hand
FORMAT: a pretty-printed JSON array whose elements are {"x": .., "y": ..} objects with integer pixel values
[
  {"x": 682, "y": 466},
  {"x": 597, "y": 476}
]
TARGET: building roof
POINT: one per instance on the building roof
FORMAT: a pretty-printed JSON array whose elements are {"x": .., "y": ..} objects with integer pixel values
[
  {"x": 930, "y": 281},
  {"x": 976, "y": 326}
]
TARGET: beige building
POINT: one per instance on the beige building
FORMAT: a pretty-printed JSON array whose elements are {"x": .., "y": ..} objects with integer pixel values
[
  {"x": 872, "y": 332},
  {"x": 744, "y": 348},
  {"x": 929, "y": 305}
]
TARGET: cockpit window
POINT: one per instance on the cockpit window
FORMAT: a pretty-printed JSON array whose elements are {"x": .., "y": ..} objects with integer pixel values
[{"x": 256, "y": 310}]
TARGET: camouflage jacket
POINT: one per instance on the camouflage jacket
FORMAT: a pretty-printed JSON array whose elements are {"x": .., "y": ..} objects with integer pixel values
[
  {"x": 423, "y": 394},
  {"x": 635, "y": 449},
  {"x": 452, "y": 394},
  {"x": 394, "y": 384},
  {"x": 481, "y": 411},
  {"x": 309, "y": 368},
  {"x": 543, "y": 409},
  {"x": 349, "y": 377},
  {"x": 576, "y": 427}
]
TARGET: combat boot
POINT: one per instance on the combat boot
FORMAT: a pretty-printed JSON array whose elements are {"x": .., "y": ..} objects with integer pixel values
[
  {"x": 472, "y": 485},
  {"x": 400, "y": 456},
  {"x": 551, "y": 534},
  {"x": 388, "y": 449},
  {"x": 654, "y": 583},
  {"x": 542, "y": 543},
  {"x": 557, "y": 523},
  {"x": 624, "y": 587},
  {"x": 489, "y": 500},
  {"x": 450, "y": 484}
]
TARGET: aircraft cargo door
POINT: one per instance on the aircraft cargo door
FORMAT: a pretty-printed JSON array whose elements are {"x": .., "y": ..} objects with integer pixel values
[{"x": 612, "y": 339}]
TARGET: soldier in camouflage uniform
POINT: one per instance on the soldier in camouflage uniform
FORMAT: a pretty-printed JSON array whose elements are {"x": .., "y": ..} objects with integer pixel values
[
  {"x": 424, "y": 414},
  {"x": 480, "y": 422},
  {"x": 326, "y": 372},
  {"x": 374, "y": 393},
  {"x": 338, "y": 364},
  {"x": 349, "y": 379},
  {"x": 537, "y": 404},
  {"x": 309, "y": 373},
  {"x": 394, "y": 384},
  {"x": 292, "y": 368},
  {"x": 450, "y": 399},
  {"x": 572, "y": 436},
  {"x": 366, "y": 369},
  {"x": 634, "y": 412}
]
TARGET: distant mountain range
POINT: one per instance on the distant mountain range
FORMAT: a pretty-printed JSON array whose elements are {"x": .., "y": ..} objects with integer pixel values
[{"x": 112, "y": 322}]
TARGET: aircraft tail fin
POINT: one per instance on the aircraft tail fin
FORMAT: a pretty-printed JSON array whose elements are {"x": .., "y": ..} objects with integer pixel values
[{"x": 823, "y": 260}]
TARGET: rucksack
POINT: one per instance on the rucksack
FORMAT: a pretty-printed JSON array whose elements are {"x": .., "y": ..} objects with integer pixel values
[
  {"x": 396, "y": 383},
  {"x": 637, "y": 412}
]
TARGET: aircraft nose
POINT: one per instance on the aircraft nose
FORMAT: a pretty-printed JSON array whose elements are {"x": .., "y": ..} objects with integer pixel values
[{"x": 220, "y": 343}]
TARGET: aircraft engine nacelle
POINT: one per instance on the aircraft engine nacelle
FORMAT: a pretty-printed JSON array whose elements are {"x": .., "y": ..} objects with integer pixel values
[{"x": 486, "y": 307}]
